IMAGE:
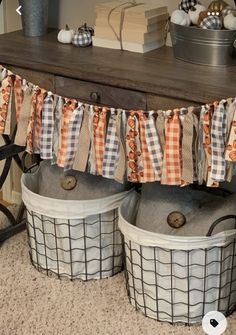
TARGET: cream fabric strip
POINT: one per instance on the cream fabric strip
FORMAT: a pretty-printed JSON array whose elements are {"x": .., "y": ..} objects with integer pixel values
[{"x": 83, "y": 147}]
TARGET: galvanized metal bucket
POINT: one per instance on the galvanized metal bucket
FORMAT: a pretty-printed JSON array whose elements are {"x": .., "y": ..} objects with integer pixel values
[
  {"x": 204, "y": 46},
  {"x": 34, "y": 17}
]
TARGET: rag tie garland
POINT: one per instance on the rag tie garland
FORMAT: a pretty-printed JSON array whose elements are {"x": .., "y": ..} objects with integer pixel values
[{"x": 173, "y": 147}]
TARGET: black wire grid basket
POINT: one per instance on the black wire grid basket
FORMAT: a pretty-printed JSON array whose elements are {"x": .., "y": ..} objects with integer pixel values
[
  {"x": 74, "y": 239},
  {"x": 171, "y": 283}
]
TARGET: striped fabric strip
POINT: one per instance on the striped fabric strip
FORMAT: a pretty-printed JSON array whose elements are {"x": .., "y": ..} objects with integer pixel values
[
  {"x": 172, "y": 153},
  {"x": 120, "y": 170},
  {"x": 30, "y": 128},
  {"x": 38, "y": 120},
  {"x": 218, "y": 139},
  {"x": 187, "y": 149},
  {"x": 67, "y": 113},
  {"x": 99, "y": 128},
  {"x": 154, "y": 146},
  {"x": 73, "y": 135},
  {"x": 5, "y": 94},
  {"x": 148, "y": 173},
  {"x": 91, "y": 166},
  {"x": 46, "y": 140},
  {"x": 111, "y": 147},
  {"x": 160, "y": 127},
  {"x": 207, "y": 144}
]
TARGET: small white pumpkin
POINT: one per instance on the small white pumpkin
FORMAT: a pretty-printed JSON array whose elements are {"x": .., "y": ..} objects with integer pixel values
[
  {"x": 65, "y": 35},
  {"x": 180, "y": 17},
  {"x": 194, "y": 13},
  {"x": 230, "y": 21}
]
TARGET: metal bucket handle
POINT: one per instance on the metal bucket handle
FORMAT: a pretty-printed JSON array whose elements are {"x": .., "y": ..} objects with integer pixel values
[{"x": 223, "y": 218}]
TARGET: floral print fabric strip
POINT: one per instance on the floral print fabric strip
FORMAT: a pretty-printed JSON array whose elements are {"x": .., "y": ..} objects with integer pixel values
[
  {"x": 230, "y": 154},
  {"x": 99, "y": 129},
  {"x": 5, "y": 94}
]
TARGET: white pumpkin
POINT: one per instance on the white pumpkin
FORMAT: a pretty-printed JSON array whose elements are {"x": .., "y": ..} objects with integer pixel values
[
  {"x": 180, "y": 17},
  {"x": 65, "y": 35},
  {"x": 194, "y": 13},
  {"x": 230, "y": 21}
]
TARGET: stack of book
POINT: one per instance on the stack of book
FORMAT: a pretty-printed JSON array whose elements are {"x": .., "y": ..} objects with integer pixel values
[{"x": 139, "y": 28}]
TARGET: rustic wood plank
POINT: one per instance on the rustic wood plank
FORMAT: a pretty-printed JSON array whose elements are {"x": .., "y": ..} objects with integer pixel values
[
  {"x": 155, "y": 102},
  {"x": 43, "y": 80},
  {"x": 110, "y": 96},
  {"x": 156, "y": 72}
]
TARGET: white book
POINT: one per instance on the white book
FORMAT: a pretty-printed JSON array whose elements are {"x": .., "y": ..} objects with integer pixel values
[
  {"x": 141, "y": 10},
  {"x": 103, "y": 27},
  {"x": 131, "y": 24},
  {"x": 135, "y": 47},
  {"x": 131, "y": 35}
]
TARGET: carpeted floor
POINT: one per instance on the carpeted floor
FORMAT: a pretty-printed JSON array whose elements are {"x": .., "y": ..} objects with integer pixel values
[{"x": 33, "y": 304}]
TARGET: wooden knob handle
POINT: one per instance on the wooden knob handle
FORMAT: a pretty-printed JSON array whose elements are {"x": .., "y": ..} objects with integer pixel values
[
  {"x": 176, "y": 219},
  {"x": 95, "y": 97}
]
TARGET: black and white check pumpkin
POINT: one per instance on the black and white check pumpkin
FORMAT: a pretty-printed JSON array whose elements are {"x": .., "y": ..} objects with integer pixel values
[
  {"x": 187, "y": 4},
  {"x": 83, "y": 37},
  {"x": 212, "y": 22}
]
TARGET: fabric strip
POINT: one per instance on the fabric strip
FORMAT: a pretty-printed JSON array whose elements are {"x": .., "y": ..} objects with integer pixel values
[
  {"x": 73, "y": 136},
  {"x": 111, "y": 147}
]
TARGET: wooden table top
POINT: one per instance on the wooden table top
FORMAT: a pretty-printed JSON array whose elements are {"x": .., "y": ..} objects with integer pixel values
[{"x": 156, "y": 72}]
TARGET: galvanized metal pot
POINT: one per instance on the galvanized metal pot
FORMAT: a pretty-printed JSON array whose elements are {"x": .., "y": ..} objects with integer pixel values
[
  {"x": 204, "y": 46},
  {"x": 34, "y": 17}
]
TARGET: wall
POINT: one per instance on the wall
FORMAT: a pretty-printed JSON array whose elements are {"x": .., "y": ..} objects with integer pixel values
[{"x": 71, "y": 12}]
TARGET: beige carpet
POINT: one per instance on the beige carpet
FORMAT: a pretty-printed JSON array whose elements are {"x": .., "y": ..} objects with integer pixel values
[{"x": 33, "y": 304}]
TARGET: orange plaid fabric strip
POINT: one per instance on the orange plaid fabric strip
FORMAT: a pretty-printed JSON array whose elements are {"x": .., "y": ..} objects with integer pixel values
[
  {"x": 19, "y": 95},
  {"x": 148, "y": 173},
  {"x": 172, "y": 155},
  {"x": 29, "y": 139},
  {"x": 5, "y": 94},
  {"x": 99, "y": 131},
  {"x": 69, "y": 107},
  {"x": 38, "y": 120}
]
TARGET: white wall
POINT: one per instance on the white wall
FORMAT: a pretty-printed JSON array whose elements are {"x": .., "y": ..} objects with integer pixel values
[{"x": 71, "y": 12}]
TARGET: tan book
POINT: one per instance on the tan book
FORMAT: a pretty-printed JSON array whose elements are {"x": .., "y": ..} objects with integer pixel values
[
  {"x": 135, "y": 47},
  {"x": 131, "y": 24},
  {"x": 132, "y": 35},
  {"x": 141, "y": 10}
]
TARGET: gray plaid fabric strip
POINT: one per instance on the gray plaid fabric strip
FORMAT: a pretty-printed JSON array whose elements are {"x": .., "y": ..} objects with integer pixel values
[
  {"x": 73, "y": 136},
  {"x": 58, "y": 113},
  {"x": 154, "y": 146},
  {"x": 218, "y": 139},
  {"x": 46, "y": 140},
  {"x": 111, "y": 147}
]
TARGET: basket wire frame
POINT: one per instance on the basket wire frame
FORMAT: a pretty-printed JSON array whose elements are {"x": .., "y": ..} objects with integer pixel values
[
  {"x": 143, "y": 276},
  {"x": 54, "y": 249}
]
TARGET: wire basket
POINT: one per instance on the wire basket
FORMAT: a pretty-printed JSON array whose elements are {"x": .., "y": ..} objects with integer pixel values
[
  {"x": 178, "y": 279},
  {"x": 73, "y": 238}
]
